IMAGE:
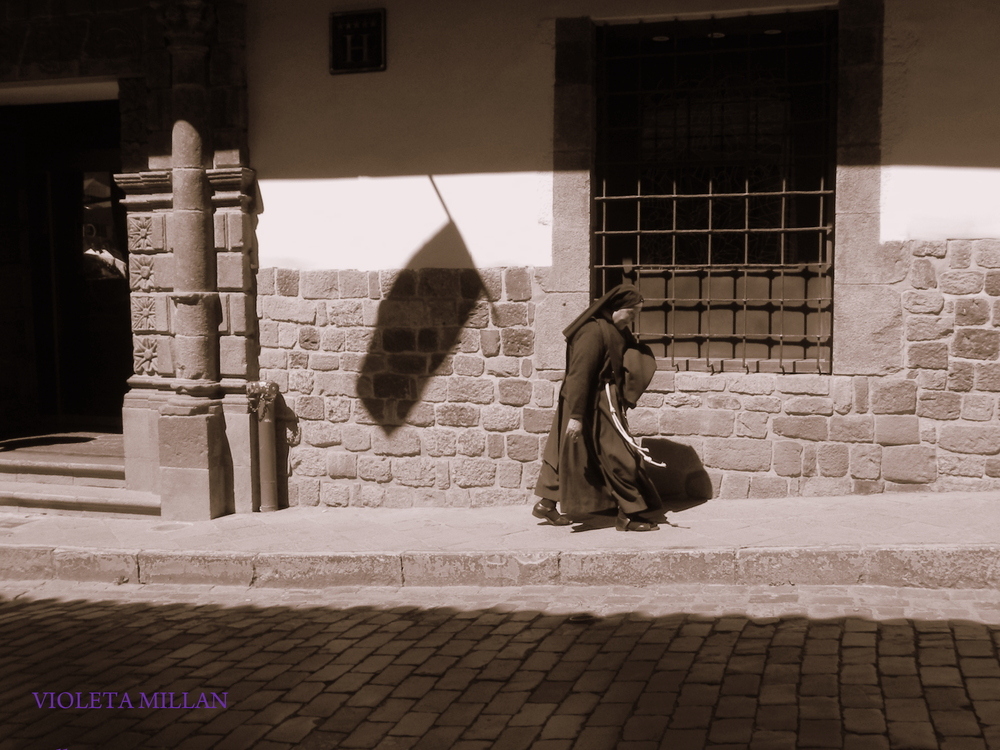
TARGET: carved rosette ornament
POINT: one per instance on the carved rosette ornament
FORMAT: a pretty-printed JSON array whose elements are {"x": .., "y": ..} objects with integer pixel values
[
  {"x": 144, "y": 355},
  {"x": 140, "y": 273},
  {"x": 140, "y": 234},
  {"x": 143, "y": 313}
]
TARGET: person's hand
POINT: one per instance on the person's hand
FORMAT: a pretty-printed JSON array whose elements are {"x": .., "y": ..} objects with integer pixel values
[{"x": 574, "y": 428}]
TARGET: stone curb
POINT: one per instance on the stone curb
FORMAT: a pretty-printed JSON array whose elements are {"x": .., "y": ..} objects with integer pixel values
[{"x": 939, "y": 566}]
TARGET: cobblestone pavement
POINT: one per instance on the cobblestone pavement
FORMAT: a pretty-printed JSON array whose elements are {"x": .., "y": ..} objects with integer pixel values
[{"x": 672, "y": 667}]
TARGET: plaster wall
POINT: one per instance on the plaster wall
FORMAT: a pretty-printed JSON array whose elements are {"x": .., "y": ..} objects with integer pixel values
[
  {"x": 940, "y": 151},
  {"x": 362, "y": 171}
]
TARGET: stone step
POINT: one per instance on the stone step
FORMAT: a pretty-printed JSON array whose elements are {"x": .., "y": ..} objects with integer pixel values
[
  {"x": 63, "y": 499},
  {"x": 89, "y": 471}
]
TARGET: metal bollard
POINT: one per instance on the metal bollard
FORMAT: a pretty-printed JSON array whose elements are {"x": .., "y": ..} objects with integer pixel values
[{"x": 261, "y": 396}]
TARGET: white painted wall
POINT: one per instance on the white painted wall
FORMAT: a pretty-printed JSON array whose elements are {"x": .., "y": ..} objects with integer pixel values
[
  {"x": 363, "y": 171},
  {"x": 940, "y": 120}
]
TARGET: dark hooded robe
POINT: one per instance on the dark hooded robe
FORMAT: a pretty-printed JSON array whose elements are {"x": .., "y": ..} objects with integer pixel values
[{"x": 597, "y": 470}]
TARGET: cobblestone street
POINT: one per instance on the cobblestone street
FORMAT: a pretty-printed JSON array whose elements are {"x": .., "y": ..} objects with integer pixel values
[{"x": 665, "y": 667}]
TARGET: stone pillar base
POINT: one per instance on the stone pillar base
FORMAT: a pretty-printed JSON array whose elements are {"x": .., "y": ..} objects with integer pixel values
[{"x": 193, "y": 464}]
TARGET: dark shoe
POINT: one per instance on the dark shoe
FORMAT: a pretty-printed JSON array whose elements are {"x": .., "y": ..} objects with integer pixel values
[
  {"x": 624, "y": 523},
  {"x": 551, "y": 515}
]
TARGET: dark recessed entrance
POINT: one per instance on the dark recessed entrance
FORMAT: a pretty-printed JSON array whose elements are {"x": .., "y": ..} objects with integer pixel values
[{"x": 65, "y": 333}]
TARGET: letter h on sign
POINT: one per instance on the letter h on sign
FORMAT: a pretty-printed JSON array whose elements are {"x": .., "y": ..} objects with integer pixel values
[{"x": 357, "y": 41}]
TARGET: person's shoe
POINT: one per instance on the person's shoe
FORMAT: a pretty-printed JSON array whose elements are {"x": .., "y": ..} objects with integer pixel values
[
  {"x": 624, "y": 523},
  {"x": 551, "y": 515}
]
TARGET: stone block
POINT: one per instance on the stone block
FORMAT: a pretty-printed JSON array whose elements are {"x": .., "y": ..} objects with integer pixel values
[
  {"x": 374, "y": 469},
  {"x": 309, "y": 407},
  {"x": 931, "y": 248},
  {"x": 414, "y": 472},
  {"x": 832, "y": 459},
  {"x": 959, "y": 253},
  {"x": 768, "y": 404},
  {"x": 987, "y": 253},
  {"x": 286, "y": 282},
  {"x": 978, "y": 407},
  {"x": 928, "y": 328},
  {"x": 909, "y": 464},
  {"x": 487, "y": 569},
  {"x": 404, "y": 441},
  {"x": 852, "y": 429},
  {"x": 517, "y": 283},
  {"x": 860, "y": 263},
  {"x": 893, "y": 396},
  {"x": 662, "y": 382},
  {"x": 522, "y": 447},
  {"x": 517, "y": 342},
  {"x": 504, "y": 367},
  {"x": 175, "y": 567},
  {"x": 322, "y": 284},
  {"x": 438, "y": 442},
  {"x": 356, "y": 438},
  {"x": 891, "y": 429},
  {"x": 341, "y": 465},
  {"x": 499, "y": 418},
  {"x": 768, "y": 487},
  {"x": 69, "y": 564},
  {"x": 922, "y": 274},
  {"x": 977, "y": 439},
  {"x": 801, "y": 428},
  {"x": 787, "y": 458},
  {"x": 962, "y": 282},
  {"x": 506, "y": 314},
  {"x": 974, "y": 311},
  {"x": 826, "y": 486},
  {"x": 233, "y": 272},
  {"x": 992, "y": 284},
  {"x": 961, "y": 466},
  {"x": 473, "y": 472},
  {"x": 752, "y": 424},
  {"x": 755, "y": 384},
  {"x": 939, "y": 405},
  {"x": 738, "y": 454},
  {"x": 809, "y": 405},
  {"x": 923, "y": 302},
  {"x": 537, "y": 420},
  {"x": 975, "y": 343},
  {"x": 843, "y": 395},
  {"x": 722, "y": 401},
  {"x": 469, "y": 366},
  {"x": 927, "y": 356},
  {"x": 868, "y": 319},
  {"x": 866, "y": 461},
  {"x": 514, "y": 392},
  {"x": 734, "y": 485},
  {"x": 707, "y": 422},
  {"x": 471, "y": 443},
  {"x": 988, "y": 377},
  {"x": 494, "y": 446},
  {"x": 474, "y": 390},
  {"x": 699, "y": 382}
]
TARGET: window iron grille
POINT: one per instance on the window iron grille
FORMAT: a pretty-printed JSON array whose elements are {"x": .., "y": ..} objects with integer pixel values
[{"x": 714, "y": 186}]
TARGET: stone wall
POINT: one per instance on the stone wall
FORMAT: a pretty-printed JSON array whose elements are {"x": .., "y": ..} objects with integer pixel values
[
  {"x": 413, "y": 387},
  {"x": 421, "y": 388}
]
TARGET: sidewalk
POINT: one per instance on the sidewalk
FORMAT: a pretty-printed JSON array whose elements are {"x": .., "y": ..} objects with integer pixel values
[{"x": 919, "y": 539}]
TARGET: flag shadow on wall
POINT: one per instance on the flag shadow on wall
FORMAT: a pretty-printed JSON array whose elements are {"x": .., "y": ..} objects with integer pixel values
[{"x": 419, "y": 324}]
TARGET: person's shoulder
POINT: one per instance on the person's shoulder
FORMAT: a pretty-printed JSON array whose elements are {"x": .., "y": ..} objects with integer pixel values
[{"x": 589, "y": 333}]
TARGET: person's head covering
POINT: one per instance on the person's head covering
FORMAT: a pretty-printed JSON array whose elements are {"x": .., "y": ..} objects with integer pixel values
[{"x": 621, "y": 296}]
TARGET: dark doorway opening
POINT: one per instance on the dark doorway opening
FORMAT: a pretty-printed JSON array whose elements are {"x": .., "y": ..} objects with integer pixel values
[{"x": 65, "y": 330}]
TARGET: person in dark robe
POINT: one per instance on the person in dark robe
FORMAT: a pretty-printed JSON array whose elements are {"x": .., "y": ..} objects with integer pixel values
[{"x": 591, "y": 464}]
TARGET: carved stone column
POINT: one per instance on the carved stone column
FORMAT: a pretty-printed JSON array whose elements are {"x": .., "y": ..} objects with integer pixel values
[{"x": 192, "y": 436}]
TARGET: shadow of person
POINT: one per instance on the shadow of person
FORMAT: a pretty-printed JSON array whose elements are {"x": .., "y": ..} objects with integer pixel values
[{"x": 682, "y": 483}]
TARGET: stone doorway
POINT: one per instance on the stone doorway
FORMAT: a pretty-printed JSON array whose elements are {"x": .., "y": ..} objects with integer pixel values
[{"x": 64, "y": 302}]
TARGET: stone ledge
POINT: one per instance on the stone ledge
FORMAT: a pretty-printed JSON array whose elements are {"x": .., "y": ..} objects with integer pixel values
[{"x": 935, "y": 566}]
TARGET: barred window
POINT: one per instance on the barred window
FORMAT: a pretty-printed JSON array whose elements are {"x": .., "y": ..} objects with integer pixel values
[{"x": 714, "y": 180}]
